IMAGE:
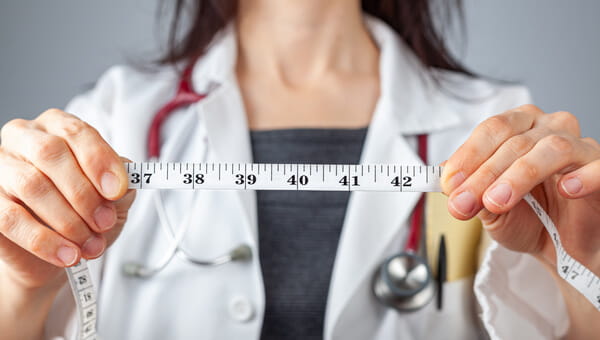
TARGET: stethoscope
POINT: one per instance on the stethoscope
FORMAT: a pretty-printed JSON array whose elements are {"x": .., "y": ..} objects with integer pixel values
[
  {"x": 184, "y": 96},
  {"x": 403, "y": 281}
]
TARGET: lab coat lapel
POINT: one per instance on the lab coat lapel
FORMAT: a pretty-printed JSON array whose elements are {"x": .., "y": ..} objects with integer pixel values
[
  {"x": 223, "y": 114},
  {"x": 229, "y": 140},
  {"x": 406, "y": 107}
]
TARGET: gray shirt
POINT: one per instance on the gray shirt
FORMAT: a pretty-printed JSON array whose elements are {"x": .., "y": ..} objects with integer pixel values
[{"x": 299, "y": 230}]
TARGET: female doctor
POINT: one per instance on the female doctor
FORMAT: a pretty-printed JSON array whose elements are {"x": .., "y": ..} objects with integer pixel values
[{"x": 300, "y": 79}]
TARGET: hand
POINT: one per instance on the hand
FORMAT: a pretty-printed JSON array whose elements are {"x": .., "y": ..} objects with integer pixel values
[
  {"x": 63, "y": 196},
  {"x": 525, "y": 150}
]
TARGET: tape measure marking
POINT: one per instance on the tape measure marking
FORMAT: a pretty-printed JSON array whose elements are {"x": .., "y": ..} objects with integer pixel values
[
  {"x": 85, "y": 299},
  {"x": 316, "y": 177},
  {"x": 576, "y": 274}
]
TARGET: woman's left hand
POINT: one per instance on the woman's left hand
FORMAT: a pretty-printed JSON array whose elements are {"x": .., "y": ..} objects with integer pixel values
[{"x": 525, "y": 150}]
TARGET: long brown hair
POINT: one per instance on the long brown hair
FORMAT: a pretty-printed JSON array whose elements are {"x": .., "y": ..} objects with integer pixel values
[{"x": 413, "y": 20}]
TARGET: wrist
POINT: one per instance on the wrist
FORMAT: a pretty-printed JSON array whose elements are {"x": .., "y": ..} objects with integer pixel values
[{"x": 24, "y": 310}]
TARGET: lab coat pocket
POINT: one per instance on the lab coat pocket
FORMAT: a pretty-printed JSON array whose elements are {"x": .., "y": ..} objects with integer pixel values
[
  {"x": 462, "y": 239},
  {"x": 457, "y": 319}
]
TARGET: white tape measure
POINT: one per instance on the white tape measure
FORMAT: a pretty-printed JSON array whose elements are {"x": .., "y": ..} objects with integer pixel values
[
  {"x": 316, "y": 177},
  {"x": 325, "y": 177}
]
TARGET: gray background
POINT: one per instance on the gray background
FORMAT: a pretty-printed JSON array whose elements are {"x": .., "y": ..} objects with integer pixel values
[{"x": 52, "y": 50}]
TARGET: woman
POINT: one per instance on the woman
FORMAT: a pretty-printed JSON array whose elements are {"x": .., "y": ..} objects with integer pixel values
[{"x": 293, "y": 73}]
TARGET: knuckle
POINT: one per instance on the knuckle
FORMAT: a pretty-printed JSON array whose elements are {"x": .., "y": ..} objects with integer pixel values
[
  {"x": 488, "y": 174},
  {"x": 52, "y": 113},
  {"x": 496, "y": 124},
  {"x": 80, "y": 193},
  {"x": 9, "y": 218},
  {"x": 72, "y": 229},
  {"x": 527, "y": 169},
  {"x": 470, "y": 153},
  {"x": 530, "y": 108},
  {"x": 565, "y": 116},
  {"x": 15, "y": 124},
  {"x": 560, "y": 145},
  {"x": 36, "y": 242},
  {"x": 73, "y": 127},
  {"x": 566, "y": 120},
  {"x": 49, "y": 149},
  {"x": 83, "y": 195},
  {"x": 591, "y": 141},
  {"x": 464, "y": 158},
  {"x": 32, "y": 184},
  {"x": 520, "y": 144},
  {"x": 96, "y": 157}
]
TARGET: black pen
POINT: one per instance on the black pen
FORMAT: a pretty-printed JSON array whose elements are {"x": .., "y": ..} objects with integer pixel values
[{"x": 441, "y": 271}]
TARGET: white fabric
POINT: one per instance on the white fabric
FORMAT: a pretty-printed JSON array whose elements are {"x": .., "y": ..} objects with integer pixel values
[{"x": 517, "y": 298}]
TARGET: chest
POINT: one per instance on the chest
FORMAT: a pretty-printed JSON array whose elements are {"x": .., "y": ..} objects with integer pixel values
[{"x": 333, "y": 102}]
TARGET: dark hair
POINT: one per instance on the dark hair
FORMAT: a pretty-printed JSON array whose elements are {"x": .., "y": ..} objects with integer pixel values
[{"x": 414, "y": 20}]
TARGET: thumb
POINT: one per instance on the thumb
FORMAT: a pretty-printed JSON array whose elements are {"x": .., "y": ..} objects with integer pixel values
[
  {"x": 518, "y": 230},
  {"x": 122, "y": 207}
]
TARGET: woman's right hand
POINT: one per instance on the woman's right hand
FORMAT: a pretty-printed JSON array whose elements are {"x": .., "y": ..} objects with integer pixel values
[{"x": 63, "y": 196}]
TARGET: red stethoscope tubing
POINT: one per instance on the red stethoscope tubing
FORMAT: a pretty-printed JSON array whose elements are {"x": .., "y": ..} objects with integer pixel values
[{"x": 185, "y": 95}]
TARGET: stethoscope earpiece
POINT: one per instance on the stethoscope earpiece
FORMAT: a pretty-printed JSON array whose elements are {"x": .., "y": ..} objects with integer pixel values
[{"x": 404, "y": 282}]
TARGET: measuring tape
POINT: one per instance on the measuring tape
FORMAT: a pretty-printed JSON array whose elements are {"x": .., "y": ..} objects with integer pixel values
[{"x": 315, "y": 177}]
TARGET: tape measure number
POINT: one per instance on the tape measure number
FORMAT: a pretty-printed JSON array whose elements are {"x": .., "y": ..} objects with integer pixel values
[
  {"x": 85, "y": 299},
  {"x": 322, "y": 177}
]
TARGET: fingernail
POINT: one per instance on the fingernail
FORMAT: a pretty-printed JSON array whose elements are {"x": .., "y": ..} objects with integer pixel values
[
  {"x": 109, "y": 184},
  {"x": 572, "y": 185},
  {"x": 93, "y": 247},
  {"x": 500, "y": 194},
  {"x": 105, "y": 217},
  {"x": 464, "y": 203},
  {"x": 67, "y": 255},
  {"x": 456, "y": 180}
]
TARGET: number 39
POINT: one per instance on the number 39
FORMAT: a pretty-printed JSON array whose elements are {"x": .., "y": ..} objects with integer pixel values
[{"x": 249, "y": 180}]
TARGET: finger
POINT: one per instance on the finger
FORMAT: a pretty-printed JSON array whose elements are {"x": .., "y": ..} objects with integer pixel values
[
  {"x": 484, "y": 141},
  {"x": 27, "y": 184},
  {"x": 581, "y": 182},
  {"x": 465, "y": 201},
  {"x": 20, "y": 227},
  {"x": 51, "y": 155},
  {"x": 553, "y": 154},
  {"x": 96, "y": 158},
  {"x": 122, "y": 206}
]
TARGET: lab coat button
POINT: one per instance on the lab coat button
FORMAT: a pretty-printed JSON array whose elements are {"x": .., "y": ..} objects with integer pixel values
[{"x": 241, "y": 309}]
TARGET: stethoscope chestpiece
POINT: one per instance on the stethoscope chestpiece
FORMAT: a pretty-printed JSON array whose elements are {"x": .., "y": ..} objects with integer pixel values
[{"x": 404, "y": 282}]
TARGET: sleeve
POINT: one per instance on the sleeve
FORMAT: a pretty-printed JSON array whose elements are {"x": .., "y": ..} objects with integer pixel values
[
  {"x": 518, "y": 297},
  {"x": 94, "y": 107}
]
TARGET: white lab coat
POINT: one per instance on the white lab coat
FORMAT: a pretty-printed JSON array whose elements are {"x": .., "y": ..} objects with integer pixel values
[{"x": 511, "y": 297}]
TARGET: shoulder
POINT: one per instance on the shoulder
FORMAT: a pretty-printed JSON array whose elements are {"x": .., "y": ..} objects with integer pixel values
[
  {"x": 125, "y": 82},
  {"x": 123, "y": 85},
  {"x": 478, "y": 98}
]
